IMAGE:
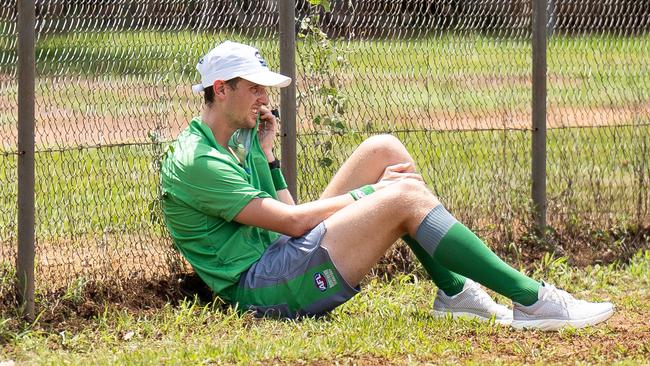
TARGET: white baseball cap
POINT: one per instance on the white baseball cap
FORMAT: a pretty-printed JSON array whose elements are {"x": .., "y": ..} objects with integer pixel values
[{"x": 230, "y": 60}]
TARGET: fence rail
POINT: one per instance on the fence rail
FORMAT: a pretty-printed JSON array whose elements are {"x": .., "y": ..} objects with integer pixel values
[{"x": 453, "y": 79}]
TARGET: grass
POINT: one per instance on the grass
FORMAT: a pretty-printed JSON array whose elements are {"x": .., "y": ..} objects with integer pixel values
[
  {"x": 389, "y": 82},
  {"x": 79, "y": 191},
  {"x": 389, "y": 322}
]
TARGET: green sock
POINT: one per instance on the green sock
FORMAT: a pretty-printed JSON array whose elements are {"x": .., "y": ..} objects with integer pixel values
[
  {"x": 449, "y": 282},
  {"x": 457, "y": 248}
]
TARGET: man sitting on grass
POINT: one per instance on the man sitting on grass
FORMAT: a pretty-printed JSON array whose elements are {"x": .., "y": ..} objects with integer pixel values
[{"x": 230, "y": 215}]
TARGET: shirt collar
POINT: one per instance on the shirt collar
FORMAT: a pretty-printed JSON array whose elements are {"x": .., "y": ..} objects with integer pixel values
[
  {"x": 197, "y": 125},
  {"x": 200, "y": 127}
]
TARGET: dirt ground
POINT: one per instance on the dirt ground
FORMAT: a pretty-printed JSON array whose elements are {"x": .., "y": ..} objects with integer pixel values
[{"x": 108, "y": 258}]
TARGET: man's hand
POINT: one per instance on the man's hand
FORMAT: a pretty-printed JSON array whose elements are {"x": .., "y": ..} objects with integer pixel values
[
  {"x": 266, "y": 132},
  {"x": 395, "y": 173}
]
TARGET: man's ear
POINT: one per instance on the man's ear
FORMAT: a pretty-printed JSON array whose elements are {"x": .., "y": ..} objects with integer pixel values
[{"x": 219, "y": 87}]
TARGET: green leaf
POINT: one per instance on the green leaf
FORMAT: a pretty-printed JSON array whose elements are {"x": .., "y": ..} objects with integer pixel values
[
  {"x": 153, "y": 136},
  {"x": 153, "y": 217},
  {"x": 326, "y": 5},
  {"x": 329, "y": 121},
  {"x": 325, "y": 162},
  {"x": 328, "y": 91}
]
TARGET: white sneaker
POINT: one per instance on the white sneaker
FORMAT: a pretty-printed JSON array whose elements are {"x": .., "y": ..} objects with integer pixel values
[
  {"x": 557, "y": 308},
  {"x": 472, "y": 302}
]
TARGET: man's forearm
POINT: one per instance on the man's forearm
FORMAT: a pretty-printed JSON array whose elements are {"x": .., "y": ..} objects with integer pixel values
[
  {"x": 310, "y": 214},
  {"x": 284, "y": 196},
  {"x": 292, "y": 220}
]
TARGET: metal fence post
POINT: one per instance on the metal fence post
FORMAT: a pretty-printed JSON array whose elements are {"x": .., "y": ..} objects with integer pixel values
[
  {"x": 552, "y": 18},
  {"x": 539, "y": 114},
  {"x": 26, "y": 87},
  {"x": 288, "y": 94}
]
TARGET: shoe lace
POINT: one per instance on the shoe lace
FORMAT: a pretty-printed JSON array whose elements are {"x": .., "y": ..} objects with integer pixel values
[
  {"x": 481, "y": 296},
  {"x": 556, "y": 295}
]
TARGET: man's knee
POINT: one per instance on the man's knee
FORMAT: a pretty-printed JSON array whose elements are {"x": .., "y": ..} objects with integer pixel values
[
  {"x": 411, "y": 192},
  {"x": 386, "y": 148},
  {"x": 407, "y": 202}
]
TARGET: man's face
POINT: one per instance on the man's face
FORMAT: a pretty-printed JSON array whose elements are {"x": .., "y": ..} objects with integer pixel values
[{"x": 243, "y": 103}]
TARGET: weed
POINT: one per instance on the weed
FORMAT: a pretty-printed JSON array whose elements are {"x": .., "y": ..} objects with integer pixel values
[
  {"x": 74, "y": 292},
  {"x": 7, "y": 280}
]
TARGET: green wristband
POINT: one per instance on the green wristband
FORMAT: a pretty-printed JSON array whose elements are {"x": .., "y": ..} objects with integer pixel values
[
  {"x": 278, "y": 179},
  {"x": 361, "y": 192}
]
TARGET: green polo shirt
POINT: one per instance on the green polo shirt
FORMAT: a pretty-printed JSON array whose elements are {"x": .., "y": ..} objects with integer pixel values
[{"x": 204, "y": 187}]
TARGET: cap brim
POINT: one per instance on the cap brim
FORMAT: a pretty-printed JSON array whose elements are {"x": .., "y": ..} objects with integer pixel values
[
  {"x": 197, "y": 88},
  {"x": 268, "y": 78}
]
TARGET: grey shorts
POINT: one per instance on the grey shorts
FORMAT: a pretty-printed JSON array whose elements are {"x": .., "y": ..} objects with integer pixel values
[{"x": 294, "y": 277}]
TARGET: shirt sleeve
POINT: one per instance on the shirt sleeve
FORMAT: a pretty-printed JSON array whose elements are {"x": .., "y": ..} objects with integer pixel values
[{"x": 217, "y": 188}]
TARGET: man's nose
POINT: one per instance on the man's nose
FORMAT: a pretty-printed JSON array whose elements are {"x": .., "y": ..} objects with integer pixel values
[{"x": 263, "y": 97}]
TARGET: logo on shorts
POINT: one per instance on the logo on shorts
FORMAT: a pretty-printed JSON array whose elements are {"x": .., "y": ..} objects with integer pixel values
[
  {"x": 325, "y": 280},
  {"x": 320, "y": 281}
]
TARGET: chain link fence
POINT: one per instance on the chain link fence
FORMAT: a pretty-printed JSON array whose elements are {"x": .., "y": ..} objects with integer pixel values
[{"x": 451, "y": 78}]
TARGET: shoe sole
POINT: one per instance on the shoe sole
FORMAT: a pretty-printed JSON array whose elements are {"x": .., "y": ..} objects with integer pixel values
[
  {"x": 555, "y": 324},
  {"x": 464, "y": 315}
]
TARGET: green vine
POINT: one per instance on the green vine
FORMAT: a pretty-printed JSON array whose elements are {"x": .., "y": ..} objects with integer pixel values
[
  {"x": 160, "y": 152},
  {"x": 323, "y": 61}
]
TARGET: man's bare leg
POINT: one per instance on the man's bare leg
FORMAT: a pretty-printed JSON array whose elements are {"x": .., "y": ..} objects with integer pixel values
[
  {"x": 365, "y": 166},
  {"x": 358, "y": 235}
]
